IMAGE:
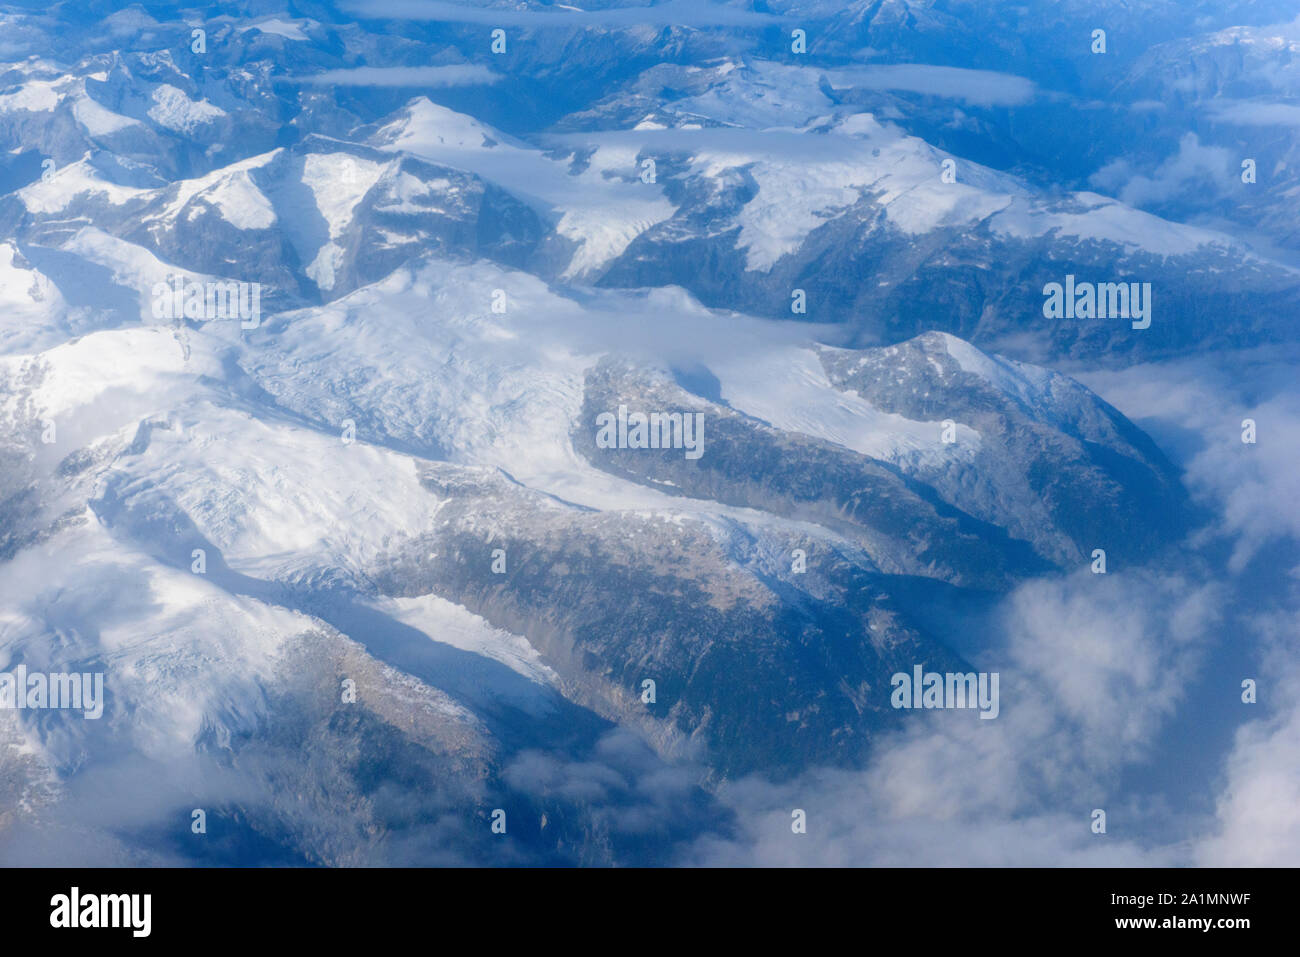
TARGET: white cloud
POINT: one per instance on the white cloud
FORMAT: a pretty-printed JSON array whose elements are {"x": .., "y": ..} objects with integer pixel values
[
  {"x": 1258, "y": 811},
  {"x": 982, "y": 87},
  {"x": 1193, "y": 167},
  {"x": 1255, "y": 113},
  {"x": 849, "y": 826},
  {"x": 674, "y": 13},
  {"x": 1248, "y": 486},
  {"x": 1092, "y": 667},
  {"x": 468, "y": 74}
]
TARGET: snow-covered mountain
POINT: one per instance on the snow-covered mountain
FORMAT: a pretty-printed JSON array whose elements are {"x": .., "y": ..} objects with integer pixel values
[{"x": 360, "y": 567}]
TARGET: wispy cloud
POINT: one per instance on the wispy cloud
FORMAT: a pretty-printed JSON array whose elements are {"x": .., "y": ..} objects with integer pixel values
[
  {"x": 981, "y": 87},
  {"x": 1194, "y": 167},
  {"x": 1257, "y": 823},
  {"x": 674, "y": 13},
  {"x": 1255, "y": 113},
  {"x": 1092, "y": 669},
  {"x": 1208, "y": 398},
  {"x": 468, "y": 74}
]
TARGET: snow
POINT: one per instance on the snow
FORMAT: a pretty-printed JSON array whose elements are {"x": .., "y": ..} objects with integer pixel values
[
  {"x": 176, "y": 111},
  {"x": 179, "y": 435},
  {"x": 423, "y": 360},
  {"x": 289, "y": 29},
  {"x": 931, "y": 204},
  {"x": 407, "y": 188},
  {"x": 788, "y": 389},
  {"x": 241, "y": 203},
  {"x": 34, "y": 96},
  {"x": 793, "y": 199},
  {"x": 1029, "y": 384},
  {"x": 45, "y": 95},
  {"x": 278, "y": 500},
  {"x": 268, "y": 498},
  {"x": 131, "y": 266},
  {"x": 602, "y": 209},
  {"x": 31, "y": 306},
  {"x": 338, "y": 182},
  {"x": 901, "y": 174},
  {"x": 602, "y": 236},
  {"x": 229, "y": 189},
  {"x": 805, "y": 177},
  {"x": 454, "y": 625},
  {"x": 271, "y": 498},
  {"x": 20, "y": 287},
  {"x": 174, "y": 648},
  {"x": 97, "y": 119},
  {"x": 70, "y": 182},
  {"x": 759, "y": 95},
  {"x": 322, "y": 270},
  {"x": 115, "y": 376},
  {"x": 1107, "y": 220},
  {"x": 423, "y": 127}
]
